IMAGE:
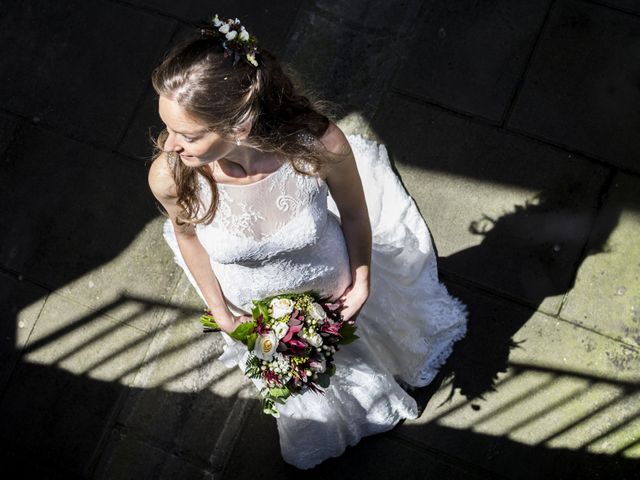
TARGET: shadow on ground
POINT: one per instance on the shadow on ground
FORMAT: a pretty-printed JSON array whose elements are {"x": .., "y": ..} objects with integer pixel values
[
  {"x": 63, "y": 424},
  {"x": 530, "y": 239}
]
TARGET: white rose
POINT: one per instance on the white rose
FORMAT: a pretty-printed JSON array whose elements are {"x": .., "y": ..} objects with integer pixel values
[
  {"x": 281, "y": 307},
  {"x": 231, "y": 35},
  {"x": 314, "y": 340},
  {"x": 317, "y": 312},
  {"x": 265, "y": 346},
  {"x": 216, "y": 21},
  {"x": 244, "y": 35},
  {"x": 224, "y": 28},
  {"x": 280, "y": 329}
]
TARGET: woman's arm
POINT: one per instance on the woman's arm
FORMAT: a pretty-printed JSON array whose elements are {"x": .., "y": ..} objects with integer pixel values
[
  {"x": 345, "y": 186},
  {"x": 195, "y": 256}
]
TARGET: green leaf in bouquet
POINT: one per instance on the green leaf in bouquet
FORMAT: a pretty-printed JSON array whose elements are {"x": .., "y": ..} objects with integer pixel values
[
  {"x": 323, "y": 380},
  {"x": 348, "y": 334},
  {"x": 331, "y": 369},
  {"x": 251, "y": 340},
  {"x": 268, "y": 407},
  {"x": 264, "y": 310},
  {"x": 279, "y": 393},
  {"x": 242, "y": 331},
  {"x": 348, "y": 340},
  {"x": 252, "y": 367}
]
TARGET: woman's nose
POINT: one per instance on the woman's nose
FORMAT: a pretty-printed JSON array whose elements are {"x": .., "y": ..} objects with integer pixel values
[{"x": 170, "y": 144}]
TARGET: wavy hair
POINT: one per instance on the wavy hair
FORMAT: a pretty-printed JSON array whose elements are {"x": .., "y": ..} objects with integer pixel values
[{"x": 222, "y": 95}]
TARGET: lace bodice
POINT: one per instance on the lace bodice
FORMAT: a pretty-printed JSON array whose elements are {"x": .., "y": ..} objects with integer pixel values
[
  {"x": 274, "y": 236},
  {"x": 282, "y": 212}
]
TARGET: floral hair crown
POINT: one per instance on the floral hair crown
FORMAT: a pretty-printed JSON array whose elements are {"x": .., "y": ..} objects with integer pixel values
[{"x": 237, "y": 42}]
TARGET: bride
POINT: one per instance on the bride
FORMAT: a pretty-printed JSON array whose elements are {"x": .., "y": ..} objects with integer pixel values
[{"x": 266, "y": 195}]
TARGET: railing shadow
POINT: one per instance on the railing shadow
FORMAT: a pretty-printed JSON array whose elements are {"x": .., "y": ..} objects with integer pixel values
[
  {"x": 174, "y": 404},
  {"x": 91, "y": 381}
]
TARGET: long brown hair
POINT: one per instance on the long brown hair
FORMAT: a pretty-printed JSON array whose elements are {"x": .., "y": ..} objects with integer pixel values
[{"x": 223, "y": 95}]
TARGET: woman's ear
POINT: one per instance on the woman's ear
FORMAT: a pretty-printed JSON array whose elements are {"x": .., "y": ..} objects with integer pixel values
[{"x": 243, "y": 130}]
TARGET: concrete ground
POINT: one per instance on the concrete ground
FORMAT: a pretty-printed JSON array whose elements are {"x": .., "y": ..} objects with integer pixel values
[{"x": 515, "y": 126}]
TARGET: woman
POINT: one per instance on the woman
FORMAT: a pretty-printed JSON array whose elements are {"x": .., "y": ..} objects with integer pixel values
[{"x": 264, "y": 196}]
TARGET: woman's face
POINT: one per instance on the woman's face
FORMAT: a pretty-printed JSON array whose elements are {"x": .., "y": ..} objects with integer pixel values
[{"x": 191, "y": 140}]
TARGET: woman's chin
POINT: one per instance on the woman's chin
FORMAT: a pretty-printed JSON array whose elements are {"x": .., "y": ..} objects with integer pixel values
[{"x": 190, "y": 161}]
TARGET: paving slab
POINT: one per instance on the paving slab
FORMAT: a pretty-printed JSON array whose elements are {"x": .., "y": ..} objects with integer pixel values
[
  {"x": 561, "y": 402},
  {"x": 144, "y": 129},
  {"x": 578, "y": 91},
  {"x": 144, "y": 271},
  {"x": 269, "y": 21},
  {"x": 20, "y": 303},
  {"x": 138, "y": 140},
  {"x": 133, "y": 458},
  {"x": 378, "y": 456},
  {"x": 86, "y": 217},
  {"x": 8, "y": 125},
  {"x": 328, "y": 58},
  {"x": 508, "y": 213},
  {"x": 469, "y": 56},
  {"x": 606, "y": 296},
  {"x": 389, "y": 16},
  {"x": 75, "y": 368},
  {"x": 184, "y": 401},
  {"x": 630, "y": 6},
  {"x": 78, "y": 66}
]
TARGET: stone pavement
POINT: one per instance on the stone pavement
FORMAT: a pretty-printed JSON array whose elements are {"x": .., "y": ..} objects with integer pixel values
[{"x": 513, "y": 123}]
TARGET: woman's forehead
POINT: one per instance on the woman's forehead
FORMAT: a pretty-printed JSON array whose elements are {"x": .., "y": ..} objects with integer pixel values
[{"x": 174, "y": 117}]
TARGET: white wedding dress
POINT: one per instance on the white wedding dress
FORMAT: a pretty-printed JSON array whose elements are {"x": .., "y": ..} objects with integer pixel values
[{"x": 282, "y": 234}]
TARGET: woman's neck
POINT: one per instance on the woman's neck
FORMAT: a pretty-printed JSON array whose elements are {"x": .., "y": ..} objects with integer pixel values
[{"x": 247, "y": 162}]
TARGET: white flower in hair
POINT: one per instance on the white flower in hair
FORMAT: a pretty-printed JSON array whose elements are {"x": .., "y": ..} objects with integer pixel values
[
  {"x": 252, "y": 59},
  {"x": 237, "y": 42}
]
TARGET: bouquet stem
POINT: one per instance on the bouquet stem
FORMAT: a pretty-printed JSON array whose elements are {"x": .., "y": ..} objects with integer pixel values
[{"x": 209, "y": 323}]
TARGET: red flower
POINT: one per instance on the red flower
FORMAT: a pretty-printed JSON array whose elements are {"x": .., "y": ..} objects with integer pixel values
[
  {"x": 261, "y": 328},
  {"x": 331, "y": 328},
  {"x": 292, "y": 329},
  {"x": 294, "y": 343}
]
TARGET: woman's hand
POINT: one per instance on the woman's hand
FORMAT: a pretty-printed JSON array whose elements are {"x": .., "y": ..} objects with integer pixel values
[
  {"x": 229, "y": 327},
  {"x": 353, "y": 299}
]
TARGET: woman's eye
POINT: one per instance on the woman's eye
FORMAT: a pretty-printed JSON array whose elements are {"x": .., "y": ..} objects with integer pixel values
[{"x": 188, "y": 139}]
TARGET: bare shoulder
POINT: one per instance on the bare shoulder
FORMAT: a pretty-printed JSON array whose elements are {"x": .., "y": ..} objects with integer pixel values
[
  {"x": 335, "y": 141},
  {"x": 160, "y": 178},
  {"x": 337, "y": 152}
]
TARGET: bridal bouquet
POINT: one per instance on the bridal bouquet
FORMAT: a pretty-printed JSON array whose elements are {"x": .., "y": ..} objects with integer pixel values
[{"x": 291, "y": 341}]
